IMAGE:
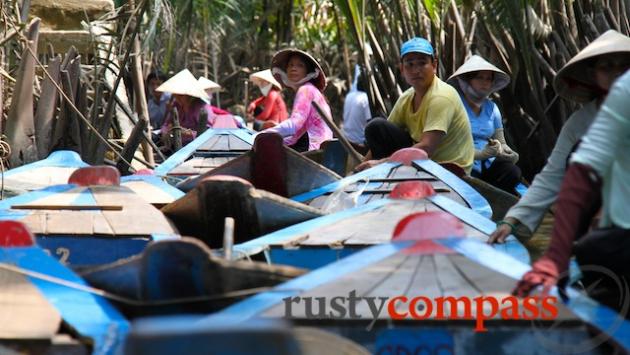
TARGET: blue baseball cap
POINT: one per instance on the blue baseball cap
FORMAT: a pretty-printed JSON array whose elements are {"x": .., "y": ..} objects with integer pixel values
[{"x": 416, "y": 45}]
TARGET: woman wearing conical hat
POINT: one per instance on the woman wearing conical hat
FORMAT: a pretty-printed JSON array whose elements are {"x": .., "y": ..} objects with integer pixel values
[
  {"x": 304, "y": 129},
  {"x": 586, "y": 79},
  {"x": 269, "y": 109},
  {"x": 190, "y": 100},
  {"x": 494, "y": 162}
]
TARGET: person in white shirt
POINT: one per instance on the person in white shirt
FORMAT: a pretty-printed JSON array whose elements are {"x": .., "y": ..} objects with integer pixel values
[{"x": 356, "y": 111}]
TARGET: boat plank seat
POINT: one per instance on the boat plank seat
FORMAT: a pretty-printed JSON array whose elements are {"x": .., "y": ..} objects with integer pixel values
[
  {"x": 24, "y": 311},
  {"x": 102, "y": 210}
]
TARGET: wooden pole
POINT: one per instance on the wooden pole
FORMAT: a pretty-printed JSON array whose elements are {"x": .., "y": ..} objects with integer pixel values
[
  {"x": 344, "y": 141},
  {"x": 203, "y": 122},
  {"x": 131, "y": 145},
  {"x": 177, "y": 131},
  {"x": 138, "y": 88}
]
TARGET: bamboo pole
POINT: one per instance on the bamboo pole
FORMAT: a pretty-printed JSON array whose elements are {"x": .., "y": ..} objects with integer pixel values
[
  {"x": 344, "y": 141},
  {"x": 138, "y": 87}
]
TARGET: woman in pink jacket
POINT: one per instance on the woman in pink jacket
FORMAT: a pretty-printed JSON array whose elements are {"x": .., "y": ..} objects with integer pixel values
[{"x": 304, "y": 129}]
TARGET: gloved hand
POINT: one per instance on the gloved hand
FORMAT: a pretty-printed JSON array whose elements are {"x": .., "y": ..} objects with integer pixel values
[
  {"x": 508, "y": 154},
  {"x": 492, "y": 149},
  {"x": 544, "y": 272}
]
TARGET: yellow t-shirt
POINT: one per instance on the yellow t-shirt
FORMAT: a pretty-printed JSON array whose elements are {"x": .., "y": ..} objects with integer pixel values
[{"x": 441, "y": 109}]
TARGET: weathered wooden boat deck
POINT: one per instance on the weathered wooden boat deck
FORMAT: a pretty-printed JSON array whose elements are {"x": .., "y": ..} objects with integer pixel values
[
  {"x": 325, "y": 239},
  {"x": 210, "y": 150},
  {"x": 457, "y": 267}
]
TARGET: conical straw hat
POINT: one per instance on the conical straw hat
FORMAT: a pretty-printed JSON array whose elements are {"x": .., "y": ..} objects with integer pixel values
[
  {"x": 266, "y": 76},
  {"x": 184, "y": 83},
  {"x": 208, "y": 85},
  {"x": 281, "y": 58},
  {"x": 477, "y": 63},
  {"x": 575, "y": 81}
]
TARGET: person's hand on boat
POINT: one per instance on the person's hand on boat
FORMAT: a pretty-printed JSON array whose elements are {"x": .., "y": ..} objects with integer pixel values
[
  {"x": 508, "y": 154},
  {"x": 504, "y": 229},
  {"x": 368, "y": 164},
  {"x": 544, "y": 273}
]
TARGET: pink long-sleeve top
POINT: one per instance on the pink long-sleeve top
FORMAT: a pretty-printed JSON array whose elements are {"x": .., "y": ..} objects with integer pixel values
[{"x": 305, "y": 119}]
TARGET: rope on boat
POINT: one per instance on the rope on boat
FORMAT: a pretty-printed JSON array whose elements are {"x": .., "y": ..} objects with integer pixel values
[
  {"x": 129, "y": 301},
  {"x": 5, "y": 152}
]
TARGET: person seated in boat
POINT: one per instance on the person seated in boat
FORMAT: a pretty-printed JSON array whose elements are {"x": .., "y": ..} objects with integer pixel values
[
  {"x": 495, "y": 161},
  {"x": 356, "y": 111},
  {"x": 190, "y": 100},
  {"x": 211, "y": 88},
  {"x": 429, "y": 115},
  {"x": 304, "y": 129},
  {"x": 598, "y": 175},
  {"x": 156, "y": 100},
  {"x": 269, "y": 109},
  {"x": 586, "y": 79}
]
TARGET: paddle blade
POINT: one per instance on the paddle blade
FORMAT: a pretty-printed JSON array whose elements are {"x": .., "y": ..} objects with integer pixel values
[
  {"x": 428, "y": 225},
  {"x": 412, "y": 190},
  {"x": 408, "y": 155},
  {"x": 95, "y": 175},
  {"x": 15, "y": 234}
]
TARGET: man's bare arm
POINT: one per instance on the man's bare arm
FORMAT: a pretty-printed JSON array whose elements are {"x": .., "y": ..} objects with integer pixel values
[{"x": 429, "y": 141}]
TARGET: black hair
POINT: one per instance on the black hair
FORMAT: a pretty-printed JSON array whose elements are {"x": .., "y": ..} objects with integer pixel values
[
  {"x": 362, "y": 80},
  {"x": 156, "y": 74}
]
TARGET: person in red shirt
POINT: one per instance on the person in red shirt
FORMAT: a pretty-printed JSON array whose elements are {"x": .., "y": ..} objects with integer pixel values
[{"x": 269, "y": 109}]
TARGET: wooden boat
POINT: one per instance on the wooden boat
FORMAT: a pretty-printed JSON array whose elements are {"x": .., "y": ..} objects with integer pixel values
[
  {"x": 326, "y": 239},
  {"x": 407, "y": 164},
  {"x": 46, "y": 308},
  {"x": 183, "y": 334},
  {"x": 202, "y": 211},
  {"x": 54, "y": 170},
  {"x": 434, "y": 266},
  {"x": 273, "y": 167},
  {"x": 57, "y": 168},
  {"x": 183, "y": 276},
  {"x": 89, "y": 223},
  {"x": 211, "y": 149}
]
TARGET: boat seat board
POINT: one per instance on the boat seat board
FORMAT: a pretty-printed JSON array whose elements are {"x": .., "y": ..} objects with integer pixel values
[
  {"x": 133, "y": 216},
  {"x": 225, "y": 142},
  {"x": 430, "y": 275},
  {"x": 24, "y": 311},
  {"x": 199, "y": 165}
]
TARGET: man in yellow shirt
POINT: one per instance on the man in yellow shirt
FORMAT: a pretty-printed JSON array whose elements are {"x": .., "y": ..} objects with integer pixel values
[{"x": 429, "y": 116}]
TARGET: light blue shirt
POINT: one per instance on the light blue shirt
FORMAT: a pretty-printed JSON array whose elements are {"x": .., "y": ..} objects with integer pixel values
[
  {"x": 606, "y": 149},
  {"x": 483, "y": 127},
  {"x": 157, "y": 110}
]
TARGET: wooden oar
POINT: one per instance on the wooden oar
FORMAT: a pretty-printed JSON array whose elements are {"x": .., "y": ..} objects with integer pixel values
[{"x": 344, "y": 141}]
